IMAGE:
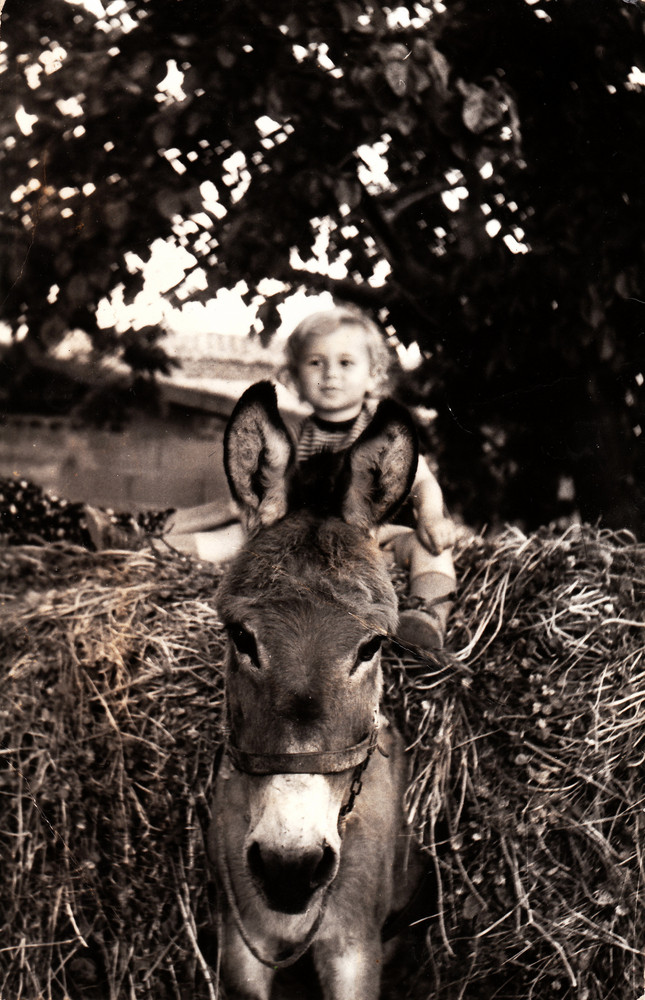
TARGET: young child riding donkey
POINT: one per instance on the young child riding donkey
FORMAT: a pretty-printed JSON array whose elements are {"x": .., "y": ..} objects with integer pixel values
[
  {"x": 338, "y": 362},
  {"x": 308, "y": 838}
]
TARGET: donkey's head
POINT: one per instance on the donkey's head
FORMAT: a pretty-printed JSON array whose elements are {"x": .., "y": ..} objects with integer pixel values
[{"x": 306, "y": 604}]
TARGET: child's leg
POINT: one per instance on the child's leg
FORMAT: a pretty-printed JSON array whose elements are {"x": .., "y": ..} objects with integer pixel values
[
  {"x": 211, "y": 531},
  {"x": 210, "y": 546},
  {"x": 204, "y": 518},
  {"x": 431, "y": 580}
]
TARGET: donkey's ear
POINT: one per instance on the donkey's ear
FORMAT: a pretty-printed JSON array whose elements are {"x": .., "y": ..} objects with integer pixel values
[
  {"x": 258, "y": 452},
  {"x": 382, "y": 465}
]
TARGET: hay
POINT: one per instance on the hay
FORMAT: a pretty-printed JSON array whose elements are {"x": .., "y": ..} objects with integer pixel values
[
  {"x": 110, "y": 707},
  {"x": 528, "y": 761},
  {"x": 528, "y": 791}
]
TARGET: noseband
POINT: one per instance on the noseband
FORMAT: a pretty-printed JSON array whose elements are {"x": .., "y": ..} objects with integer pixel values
[
  {"x": 307, "y": 762},
  {"x": 355, "y": 758}
]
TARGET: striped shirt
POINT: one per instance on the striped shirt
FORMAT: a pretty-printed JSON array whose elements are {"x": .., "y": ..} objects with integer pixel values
[{"x": 314, "y": 435}]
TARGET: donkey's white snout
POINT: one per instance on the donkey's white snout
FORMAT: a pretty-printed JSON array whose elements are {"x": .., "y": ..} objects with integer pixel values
[
  {"x": 288, "y": 880},
  {"x": 293, "y": 845}
]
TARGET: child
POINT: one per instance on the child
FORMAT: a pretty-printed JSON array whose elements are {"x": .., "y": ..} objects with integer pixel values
[{"x": 338, "y": 361}]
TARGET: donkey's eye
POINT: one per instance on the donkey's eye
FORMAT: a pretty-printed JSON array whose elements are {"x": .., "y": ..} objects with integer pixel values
[
  {"x": 244, "y": 642},
  {"x": 369, "y": 649}
]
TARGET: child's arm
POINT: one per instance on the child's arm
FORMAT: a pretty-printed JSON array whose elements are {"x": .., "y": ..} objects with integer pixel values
[{"x": 435, "y": 531}]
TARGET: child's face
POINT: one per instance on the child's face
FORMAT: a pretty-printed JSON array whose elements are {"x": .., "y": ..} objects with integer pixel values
[{"x": 334, "y": 373}]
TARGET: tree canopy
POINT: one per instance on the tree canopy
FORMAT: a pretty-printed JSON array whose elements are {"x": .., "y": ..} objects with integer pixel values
[{"x": 471, "y": 173}]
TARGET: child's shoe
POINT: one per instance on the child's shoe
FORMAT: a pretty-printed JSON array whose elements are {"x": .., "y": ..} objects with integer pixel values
[
  {"x": 424, "y": 625},
  {"x": 420, "y": 629},
  {"x": 105, "y": 534}
]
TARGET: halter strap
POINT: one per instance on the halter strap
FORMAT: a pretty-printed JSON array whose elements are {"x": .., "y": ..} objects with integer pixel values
[
  {"x": 307, "y": 762},
  {"x": 354, "y": 758}
]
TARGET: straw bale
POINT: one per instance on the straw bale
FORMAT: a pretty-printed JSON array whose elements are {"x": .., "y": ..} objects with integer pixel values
[
  {"x": 110, "y": 707},
  {"x": 527, "y": 740},
  {"x": 528, "y": 785}
]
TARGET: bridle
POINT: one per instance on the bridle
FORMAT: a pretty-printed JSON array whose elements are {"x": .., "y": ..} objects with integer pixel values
[
  {"x": 304, "y": 762},
  {"x": 354, "y": 758}
]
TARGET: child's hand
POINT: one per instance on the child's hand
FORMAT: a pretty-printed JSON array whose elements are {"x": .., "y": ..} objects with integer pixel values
[{"x": 436, "y": 533}]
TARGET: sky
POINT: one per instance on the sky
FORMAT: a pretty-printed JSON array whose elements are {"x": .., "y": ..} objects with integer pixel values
[{"x": 226, "y": 313}]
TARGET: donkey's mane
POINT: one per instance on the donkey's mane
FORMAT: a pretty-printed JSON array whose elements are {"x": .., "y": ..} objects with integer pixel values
[
  {"x": 319, "y": 483},
  {"x": 306, "y": 557}
]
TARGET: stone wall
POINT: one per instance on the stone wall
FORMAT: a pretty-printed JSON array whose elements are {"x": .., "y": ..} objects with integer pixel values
[{"x": 152, "y": 464}]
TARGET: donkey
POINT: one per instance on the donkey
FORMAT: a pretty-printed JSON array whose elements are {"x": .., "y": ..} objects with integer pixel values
[{"x": 308, "y": 839}]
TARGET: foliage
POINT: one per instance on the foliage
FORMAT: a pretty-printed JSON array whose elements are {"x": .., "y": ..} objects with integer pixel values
[{"x": 519, "y": 115}]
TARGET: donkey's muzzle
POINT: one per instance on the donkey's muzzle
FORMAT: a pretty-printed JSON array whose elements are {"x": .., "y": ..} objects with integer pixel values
[{"x": 289, "y": 879}]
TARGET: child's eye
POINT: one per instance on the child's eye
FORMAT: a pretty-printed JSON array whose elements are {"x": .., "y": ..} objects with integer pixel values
[{"x": 346, "y": 362}]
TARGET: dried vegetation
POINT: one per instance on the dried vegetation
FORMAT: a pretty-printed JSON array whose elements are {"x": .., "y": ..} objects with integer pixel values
[{"x": 528, "y": 748}]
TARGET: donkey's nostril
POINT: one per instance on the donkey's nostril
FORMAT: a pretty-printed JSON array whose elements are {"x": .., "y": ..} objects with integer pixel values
[
  {"x": 325, "y": 868},
  {"x": 255, "y": 862},
  {"x": 289, "y": 880}
]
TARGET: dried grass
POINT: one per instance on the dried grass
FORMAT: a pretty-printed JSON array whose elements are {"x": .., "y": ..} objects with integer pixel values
[
  {"x": 528, "y": 791},
  {"x": 528, "y": 794},
  {"x": 110, "y": 705}
]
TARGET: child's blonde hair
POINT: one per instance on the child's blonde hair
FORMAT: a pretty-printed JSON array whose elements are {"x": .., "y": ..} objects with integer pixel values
[{"x": 328, "y": 321}]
